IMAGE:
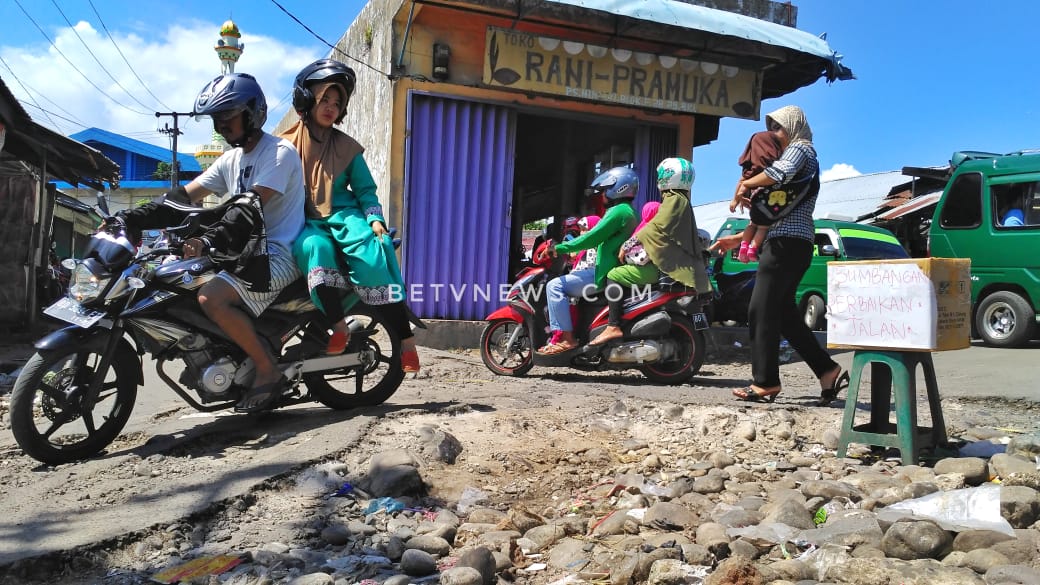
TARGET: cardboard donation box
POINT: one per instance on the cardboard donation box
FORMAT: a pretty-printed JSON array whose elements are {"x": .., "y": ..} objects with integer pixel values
[{"x": 921, "y": 304}]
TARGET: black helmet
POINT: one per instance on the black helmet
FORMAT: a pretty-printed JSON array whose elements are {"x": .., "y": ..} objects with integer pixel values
[
  {"x": 234, "y": 92},
  {"x": 322, "y": 71},
  {"x": 616, "y": 184}
]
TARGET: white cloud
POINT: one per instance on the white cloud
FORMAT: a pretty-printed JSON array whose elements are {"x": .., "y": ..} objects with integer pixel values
[
  {"x": 839, "y": 171},
  {"x": 175, "y": 64}
]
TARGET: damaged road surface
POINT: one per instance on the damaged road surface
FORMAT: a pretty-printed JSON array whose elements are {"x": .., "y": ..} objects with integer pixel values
[{"x": 467, "y": 477}]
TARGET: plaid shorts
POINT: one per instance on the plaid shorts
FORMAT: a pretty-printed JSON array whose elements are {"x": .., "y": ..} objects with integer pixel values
[{"x": 283, "y": 272}]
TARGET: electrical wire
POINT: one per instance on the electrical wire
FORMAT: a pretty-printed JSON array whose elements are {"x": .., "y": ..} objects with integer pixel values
[
  {"x": 32, "y": 90},
  {"x": 96, "y": 60},
  {"x": 331, "y": 46},
  {"x": 50, "y": 113},
  {"x": 27, "y": 92},
  {"x": 73, "y": 65},
  {"x": 125, "y": 60}
]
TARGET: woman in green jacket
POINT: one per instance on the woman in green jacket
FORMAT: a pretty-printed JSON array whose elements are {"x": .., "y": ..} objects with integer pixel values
[{"x": 619, "y": 187}]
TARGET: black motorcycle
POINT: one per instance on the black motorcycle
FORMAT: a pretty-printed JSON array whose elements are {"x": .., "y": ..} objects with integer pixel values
[{"x": 75, "y": 395}]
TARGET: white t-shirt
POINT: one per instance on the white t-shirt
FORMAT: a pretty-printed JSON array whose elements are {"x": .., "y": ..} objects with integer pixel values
[{"x": 275, "y": 164}]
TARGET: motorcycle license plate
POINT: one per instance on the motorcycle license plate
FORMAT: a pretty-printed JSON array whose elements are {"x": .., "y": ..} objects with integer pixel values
[
  {"x": 70, "y": 311},
  {"x": 700, "y": 321}
]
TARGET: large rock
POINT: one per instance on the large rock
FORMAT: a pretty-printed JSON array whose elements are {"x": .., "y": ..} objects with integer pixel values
[
  {"x": 974, "y": 469},
  {"x": 481, "y": 559},
  {"x": 1013, "y": 575},
  {"x": 970, "y": 540},
  {"x": 439, "y": 445},
  {"x": 668, "y": 515},
  {"x": 1027, "y": 446},
  {"x": 791, "y": 513},
  {"x": 916, "y": 539},
  {"x": 1019, "y": 505},
  {"x": 737, "y": 570},
  {"x": 1004, "y": 465}
]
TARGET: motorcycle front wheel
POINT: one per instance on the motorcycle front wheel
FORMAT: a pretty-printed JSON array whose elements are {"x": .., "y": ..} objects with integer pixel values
[
  {"x": 688, "y": 359},
  {"x": 372, "y": 382},
  {"x": 505, "y": 347},
  {"x": 53, "y": 419}
]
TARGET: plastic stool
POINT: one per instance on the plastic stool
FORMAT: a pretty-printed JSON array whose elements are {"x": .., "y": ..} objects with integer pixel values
[{"x": 893, "y": 373}]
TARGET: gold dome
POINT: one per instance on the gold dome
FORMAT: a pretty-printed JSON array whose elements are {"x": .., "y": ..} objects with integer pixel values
[{"x": 229, "y": 29}]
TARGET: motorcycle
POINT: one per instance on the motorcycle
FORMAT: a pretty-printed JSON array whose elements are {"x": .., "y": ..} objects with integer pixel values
[
  {"x": 732, "y": 295},
  {"x": 663, "y": 331},
  {"x": 75, "y": 395}
]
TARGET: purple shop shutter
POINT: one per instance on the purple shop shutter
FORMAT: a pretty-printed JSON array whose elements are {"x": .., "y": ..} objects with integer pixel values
[
  {"x": 458, "y": 194},
  {"x": 653, "y": 145}
]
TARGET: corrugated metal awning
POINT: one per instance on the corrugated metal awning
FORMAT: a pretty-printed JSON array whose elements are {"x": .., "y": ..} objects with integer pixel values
[
  {"x": 915, "y": 204},
  {"x": 800, "y": 58}
]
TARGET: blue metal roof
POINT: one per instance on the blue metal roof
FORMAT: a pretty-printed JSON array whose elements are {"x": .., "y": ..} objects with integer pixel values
[{"x": 187, "y": 161}]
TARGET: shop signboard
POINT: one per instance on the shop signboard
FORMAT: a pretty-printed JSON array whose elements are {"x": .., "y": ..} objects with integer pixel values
[{"x": 549, "y": 65}]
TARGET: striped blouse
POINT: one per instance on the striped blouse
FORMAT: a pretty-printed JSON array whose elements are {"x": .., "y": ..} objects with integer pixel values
[{"x": 797, "y": 163}]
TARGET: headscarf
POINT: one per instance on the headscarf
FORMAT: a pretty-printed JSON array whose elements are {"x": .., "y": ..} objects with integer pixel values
[
  {"x": 590, "y": 221},
  {"x": 648, "y": 212},
  {"x": 793, "y": 121},
  {"x": 761, "y": 150},
  {"x": 669, "y": 238},
  {"x": 326, "y": 152}
]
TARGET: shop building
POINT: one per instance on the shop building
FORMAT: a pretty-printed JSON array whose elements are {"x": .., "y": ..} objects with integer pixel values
[{"x": 479, "y": 116}]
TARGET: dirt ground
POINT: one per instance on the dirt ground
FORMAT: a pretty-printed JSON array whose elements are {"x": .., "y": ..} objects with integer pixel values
[{"x": 545, "y": 441}]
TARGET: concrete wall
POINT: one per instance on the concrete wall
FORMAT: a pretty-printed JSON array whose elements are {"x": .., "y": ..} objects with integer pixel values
[{"x": 370, "y": 41}]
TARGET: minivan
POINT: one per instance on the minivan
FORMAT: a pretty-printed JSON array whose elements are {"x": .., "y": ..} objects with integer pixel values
[
  {"x": 835, "y": 240},
  {"x": 985, "y": 195}
]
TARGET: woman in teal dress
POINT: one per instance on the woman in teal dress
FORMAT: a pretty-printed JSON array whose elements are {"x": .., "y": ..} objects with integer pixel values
[{"x": 345, "y": 243}]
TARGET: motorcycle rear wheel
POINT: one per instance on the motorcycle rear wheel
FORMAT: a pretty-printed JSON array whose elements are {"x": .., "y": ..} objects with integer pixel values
[
  {"x": 49, "y": 420},
  {"x": 366, "y": 385},
  {"x": 690, "y": 357},
  {"x": 516, "y": 360}
]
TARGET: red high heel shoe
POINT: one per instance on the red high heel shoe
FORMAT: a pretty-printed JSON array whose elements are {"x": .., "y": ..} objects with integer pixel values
[{"x": 410, "y": 362}]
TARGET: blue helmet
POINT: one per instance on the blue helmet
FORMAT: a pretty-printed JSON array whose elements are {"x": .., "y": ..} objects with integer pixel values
[
  {"x": 616, "y": 184},
  {"x": 234, "y": 92}
]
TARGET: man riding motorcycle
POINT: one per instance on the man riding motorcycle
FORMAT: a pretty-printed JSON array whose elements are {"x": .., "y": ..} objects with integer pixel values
[{"x": 269, "y": 171}]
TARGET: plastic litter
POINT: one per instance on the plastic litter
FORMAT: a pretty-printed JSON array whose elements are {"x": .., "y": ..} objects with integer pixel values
[
  {"x": 975, "y": 508},
  {"x": 344, "y": 490},
  {"x": 388, "y": 505},
  {"x": 981, "y": 449},
  {"x": 469, "y": 498},
  {"x": 786, "y": 352}
]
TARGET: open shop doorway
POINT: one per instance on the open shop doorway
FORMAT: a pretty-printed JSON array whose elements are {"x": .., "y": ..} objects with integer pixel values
[{"x": 556, "y": 159}]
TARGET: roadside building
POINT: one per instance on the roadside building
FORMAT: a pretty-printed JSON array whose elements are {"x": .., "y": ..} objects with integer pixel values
[
  {"x": 144, "y": 169},
  {"x": 482, "y": 115},
  {"x": 31, "y": 159}
]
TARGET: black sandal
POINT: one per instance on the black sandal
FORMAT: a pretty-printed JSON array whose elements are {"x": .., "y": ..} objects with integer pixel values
[
  {"x": 829, "y": 395},
  {"x": 268, "y": 395},
  {"x": 750, "y": 394}
]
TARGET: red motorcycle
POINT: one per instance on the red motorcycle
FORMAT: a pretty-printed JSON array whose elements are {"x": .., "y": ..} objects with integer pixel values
[{"x": 663, "y": 331}]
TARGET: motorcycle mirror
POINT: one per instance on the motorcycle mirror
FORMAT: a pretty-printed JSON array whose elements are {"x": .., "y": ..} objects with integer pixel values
[{"x": 102, "y": 204}]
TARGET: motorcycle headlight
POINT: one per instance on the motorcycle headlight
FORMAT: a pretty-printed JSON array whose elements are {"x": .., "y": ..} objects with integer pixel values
[{"x": 85, "y": 285}]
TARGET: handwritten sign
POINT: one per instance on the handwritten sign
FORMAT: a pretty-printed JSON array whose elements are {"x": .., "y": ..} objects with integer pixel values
[
  {"x": 916, "y": 304},
  {"x": 885, "y": 305},
  {"x": 550, "y": 65}
]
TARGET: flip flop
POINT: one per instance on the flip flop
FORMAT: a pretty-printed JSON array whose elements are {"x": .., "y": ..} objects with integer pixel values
[
  {"x": 268, "y": 395},
  {"x": 750, "y": 394},
  {"x": 828, "y": 395},
  {"x": 554, "y": 349}
]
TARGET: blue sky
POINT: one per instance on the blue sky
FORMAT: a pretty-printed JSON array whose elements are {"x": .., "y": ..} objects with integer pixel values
[{"x": 933, "y": 76}]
